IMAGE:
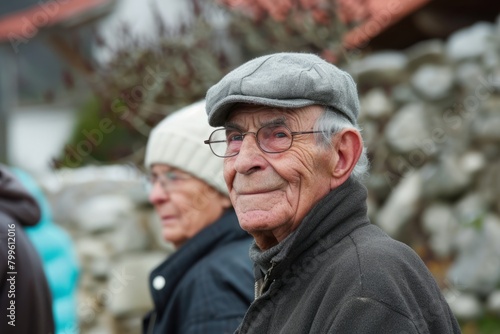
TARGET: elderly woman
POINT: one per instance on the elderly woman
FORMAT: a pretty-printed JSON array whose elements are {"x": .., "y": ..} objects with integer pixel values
[{"x": 207, "y": 284}]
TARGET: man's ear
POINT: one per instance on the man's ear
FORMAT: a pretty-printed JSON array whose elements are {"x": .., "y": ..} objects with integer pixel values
[{"x": 348, "y": 146}]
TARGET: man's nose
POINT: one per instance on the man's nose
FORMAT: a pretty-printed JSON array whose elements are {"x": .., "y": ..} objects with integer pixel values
[{"x": 250, "y": 156}]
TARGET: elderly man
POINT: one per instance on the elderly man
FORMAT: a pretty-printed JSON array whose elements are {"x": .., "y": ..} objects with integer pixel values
[{"x": 293, "y": 157}]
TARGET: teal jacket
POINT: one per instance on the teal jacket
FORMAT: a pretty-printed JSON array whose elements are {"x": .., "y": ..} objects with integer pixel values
[{"x": 58, "y": 255}]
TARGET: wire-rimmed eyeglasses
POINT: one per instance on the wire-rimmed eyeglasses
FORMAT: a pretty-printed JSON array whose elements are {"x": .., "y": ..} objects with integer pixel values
[
  {"x": 271, "y": 138},
  {"x": 169, "y": 180}
]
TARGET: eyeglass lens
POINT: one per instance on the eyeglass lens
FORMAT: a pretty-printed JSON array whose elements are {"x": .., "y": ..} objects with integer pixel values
[
  {"x": 168, "y": 180},
  {"x": 270, "y": 138}
]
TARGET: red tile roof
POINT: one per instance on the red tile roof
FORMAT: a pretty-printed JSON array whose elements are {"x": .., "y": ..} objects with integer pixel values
[
  {"x": 371, "y": 17},
  {"x": 368, "y": 17},
  {"x": 25, "y": 24}
]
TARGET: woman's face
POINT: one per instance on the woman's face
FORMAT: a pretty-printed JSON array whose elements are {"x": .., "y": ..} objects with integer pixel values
[{"x": 184, "y": 203}]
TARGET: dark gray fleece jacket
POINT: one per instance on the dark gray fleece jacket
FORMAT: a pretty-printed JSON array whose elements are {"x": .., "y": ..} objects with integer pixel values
[
  {"x": 25, "y": 299},
  {"x": 337, "y": 273}
]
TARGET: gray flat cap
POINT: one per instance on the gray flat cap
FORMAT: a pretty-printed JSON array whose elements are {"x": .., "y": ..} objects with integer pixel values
[{"x": 285, "y": 80}]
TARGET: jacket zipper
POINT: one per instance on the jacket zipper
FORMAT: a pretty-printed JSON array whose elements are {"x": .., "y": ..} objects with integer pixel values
[
  {"x": 152, "y": 322},
  {"x": 262, "y": 284}
]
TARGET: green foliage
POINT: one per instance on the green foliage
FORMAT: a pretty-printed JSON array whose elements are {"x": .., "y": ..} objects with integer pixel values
[
  {"x": 99, "y": 138},
  {"x": 478, "y": 222},
  {"x": 488, "y": 324},
  {"x": 145, "y": 82},
  {"x": 298, "y": 31}
]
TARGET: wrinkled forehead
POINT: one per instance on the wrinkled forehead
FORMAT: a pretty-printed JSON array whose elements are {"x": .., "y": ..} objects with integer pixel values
[{"x": 244, "y": 115}]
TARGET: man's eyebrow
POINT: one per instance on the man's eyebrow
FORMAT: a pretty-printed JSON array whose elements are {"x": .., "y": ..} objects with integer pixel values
[
  {"x": 275, "y": 121},
  {"x": 281, "y": 120},
  {"x": 233, "y": 126}
]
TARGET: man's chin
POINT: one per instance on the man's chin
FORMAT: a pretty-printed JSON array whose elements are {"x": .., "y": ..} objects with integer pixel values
[
  {"x": 254, "y": 219},
  {"x": 257, "y": 223}
]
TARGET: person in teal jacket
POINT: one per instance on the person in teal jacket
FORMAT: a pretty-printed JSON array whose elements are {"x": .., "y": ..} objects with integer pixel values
[{"x": 56, "y": 249}]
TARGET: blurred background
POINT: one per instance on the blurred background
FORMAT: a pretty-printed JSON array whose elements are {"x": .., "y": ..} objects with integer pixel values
[{"x": 83, "y": 82}]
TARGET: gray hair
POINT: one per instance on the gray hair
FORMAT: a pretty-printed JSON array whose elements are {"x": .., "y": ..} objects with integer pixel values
[{"x": 331, "y": 123}]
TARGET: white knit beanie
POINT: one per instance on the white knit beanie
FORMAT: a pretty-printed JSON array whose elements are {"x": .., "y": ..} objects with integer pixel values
[{"x": 178, "y": 141}]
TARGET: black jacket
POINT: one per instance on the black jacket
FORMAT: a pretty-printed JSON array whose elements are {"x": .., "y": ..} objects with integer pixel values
[
  {"x": 25, "y": 300},
  {"x": 339, "y": 274},
  {"x": 207, "y": 283}
]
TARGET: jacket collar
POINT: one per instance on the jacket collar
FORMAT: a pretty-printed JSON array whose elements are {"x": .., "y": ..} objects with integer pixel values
[
  {"x": 336, "y": 215},
  {"x": 223, "y": 231}
]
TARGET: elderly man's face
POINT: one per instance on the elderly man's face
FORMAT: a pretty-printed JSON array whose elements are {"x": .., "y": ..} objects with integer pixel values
[{"x": 272, "y": 192}]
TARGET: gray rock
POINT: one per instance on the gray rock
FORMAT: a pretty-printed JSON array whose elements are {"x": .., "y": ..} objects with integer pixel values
[
  {"x": 94, "y": 254},
  {"x": 465, "y": 239},
  {"x": 472, "y": 162},
  {"x": 90, "y": 248},
  {"x": 127, "y": 292},
  {"x": 446, "y": 178},
  {"x": 489, "y": 183},
  {"x": 425, "y": 52},
  {"x": 401, "y": 206},
  {"x": 87, "y": 283},
  {"x": 493, "y": 302},
  {"x": 490, "y": 58},
  {"x": 99, "y": 268},
  {"x": 476, "y": 268},
  {"x": 470, "y": 42},
  {"x": 101, "y": 326},
  {"x": 438, "y": 220},
  {"x": 433, "y": 82},
  {"x": 129, "y": 325},
  {"x": 69, "y": 188},
  {"x": 131, "y": 236},
  {"x": 379, "y": 184},
  {"x": 370, "y": 133},
  {"x": 88, "y": 311},
  {"x": 470, "y": 208},
  {"x": 102, "y": 212},
  {"x": 407, "y": 128},
  {"x": 468, "y": 74},
  {"x": 404, "y": 94},
  {"x": 88, "y": 175},
  {"x": 382, "y": 67},
  {"x": 487, "y": 127},
  {"x": 375, "y": 104},
  {"x": 464, "y": 306}
]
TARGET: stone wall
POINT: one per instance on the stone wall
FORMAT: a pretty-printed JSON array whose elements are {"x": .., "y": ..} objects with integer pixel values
[
  {"x": 431, "y": 121},
  {"x": 117, "y": 238}
]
